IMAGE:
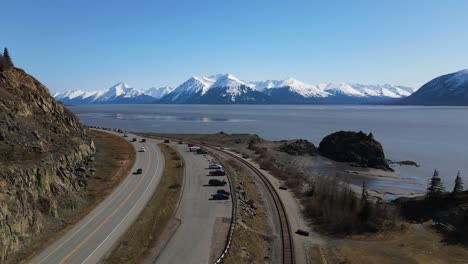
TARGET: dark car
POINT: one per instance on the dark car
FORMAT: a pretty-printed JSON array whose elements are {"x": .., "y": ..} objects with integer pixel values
[
  {"x": 217, "y": 173},
  {"x": 222, "y": 191},
  {"x": 219, "y": 196},
  {"x": 143, "y": 140},
  {"x": 139, "y": 171},
  {"x": 217, "y": 182},
  {"x": 181, "y": 142},
  {"x": 167, "y": 141},
  {"x": 302, "y": 232},
  {"x": 134, "y": 139},
  {"x": 202, "y": 151}
]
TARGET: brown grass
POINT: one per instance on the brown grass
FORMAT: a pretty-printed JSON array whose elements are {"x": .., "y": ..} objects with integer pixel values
[
  {"x": 113, "y": 161},
  {"x": 251, "y": 231},
  {"x": 136, "y": 244}
]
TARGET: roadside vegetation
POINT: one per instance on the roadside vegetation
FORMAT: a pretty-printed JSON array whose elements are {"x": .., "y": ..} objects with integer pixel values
[{"x": 147, "y": 231}]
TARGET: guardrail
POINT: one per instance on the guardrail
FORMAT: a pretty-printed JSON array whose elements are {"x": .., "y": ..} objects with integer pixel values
[{"x": 233, "y": 218}]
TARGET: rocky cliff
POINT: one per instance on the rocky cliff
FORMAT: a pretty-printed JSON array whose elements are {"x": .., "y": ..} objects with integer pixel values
[
  {"x": 355, "y": 147},
  {"x": 45, "y": 154}
]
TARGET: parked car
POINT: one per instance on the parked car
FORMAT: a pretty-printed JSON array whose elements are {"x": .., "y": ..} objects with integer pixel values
[
  {"x": 216, "y": 182},
  {"x": 222, "y": 191},
  {"x": 143, "y": 140},
  {"x": 217, "y": 173},
  {"x": 219, "y": 196},
  {"x": 139, "y": 171},
  {"x": 194, "y": 148},
  {"x": 283, "y": 187},
  {"x": 134, "y": 140},
  {"x": 190, "y": 145},
  {"x": 202, "y": 151},
  {"x": 215, "y": 166}
]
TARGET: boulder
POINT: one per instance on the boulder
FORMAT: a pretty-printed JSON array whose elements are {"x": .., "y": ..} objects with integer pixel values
[{"x": 355, "y": 147}]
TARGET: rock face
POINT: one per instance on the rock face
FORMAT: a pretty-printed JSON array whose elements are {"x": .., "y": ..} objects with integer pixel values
[
  {"x": 356, "y": 147},
  {"x": 43, "y": 150},
  {"x": 299, "y": 147}
]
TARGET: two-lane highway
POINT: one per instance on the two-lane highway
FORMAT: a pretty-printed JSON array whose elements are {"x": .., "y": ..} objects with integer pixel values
[{"x": 94, "y": 236}]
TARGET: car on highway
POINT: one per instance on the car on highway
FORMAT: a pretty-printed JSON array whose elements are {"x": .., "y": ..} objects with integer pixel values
[
  {"x": 216, "y": 182},
  {"x": 167, "y": 141},
  {"x": 125, "y": 135},
  {"x": 139, "y": 171},
  {"x": 143, "y": 140},
  {"x": 134, "y": 140},
  {"x": 181, "y": 142},
  {"x": 215, "y": 166},
  {"x": 222, "y": 191},
  {"x": 219, "y": 196},
  {"x": 142, "y": 149},
  {"x": 190, "y": 145},
  {"x": 217, "y": 173}
]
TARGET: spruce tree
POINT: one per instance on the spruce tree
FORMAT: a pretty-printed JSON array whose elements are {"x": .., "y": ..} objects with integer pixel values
[
  {"x": 1, "y": 62},
  {"x": 435, "y": 186},
  {"x": 458, "y": 184},
  {"x": 7, "y": 62}
]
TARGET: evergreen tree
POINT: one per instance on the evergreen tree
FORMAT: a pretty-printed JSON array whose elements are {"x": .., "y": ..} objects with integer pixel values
[
  {"x": 458, "y": 184},
  {"x": 435, "y": 186},
  {"x": 1, "y": 62},
  {"x": 371, "y": 135},
  {"x": 7, "y": 62}
]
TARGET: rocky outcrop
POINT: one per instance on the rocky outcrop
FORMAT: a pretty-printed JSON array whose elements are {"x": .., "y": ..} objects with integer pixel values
[
  {"x": 299, "y": 147},
  {"x": 45, "y": 156},
  {"x": 355, "y": 147}
]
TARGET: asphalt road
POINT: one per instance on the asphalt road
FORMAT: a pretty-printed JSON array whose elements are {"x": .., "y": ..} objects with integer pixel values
[
  {"x": 92, "y": 237},
  {"x": 191, "y": 243}
]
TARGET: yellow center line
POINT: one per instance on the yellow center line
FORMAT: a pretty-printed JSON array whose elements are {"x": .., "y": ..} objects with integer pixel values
[{"x": 71, "y": 253}]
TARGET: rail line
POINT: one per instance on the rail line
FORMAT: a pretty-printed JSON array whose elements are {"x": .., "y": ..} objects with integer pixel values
[
  {"x": 285, "y": 228},
  {"x": 286, "y": 234}
]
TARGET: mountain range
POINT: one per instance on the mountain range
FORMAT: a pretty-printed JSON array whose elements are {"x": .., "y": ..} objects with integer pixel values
[
  {"x": 227, "y": 89},
  {"x": 449, "y": 89}
]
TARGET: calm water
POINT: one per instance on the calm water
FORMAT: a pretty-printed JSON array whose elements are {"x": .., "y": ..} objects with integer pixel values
[{"x": 434, "y": 137}]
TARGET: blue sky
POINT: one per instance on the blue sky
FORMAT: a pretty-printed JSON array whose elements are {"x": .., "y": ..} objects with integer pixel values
[{"x": 94, "y": 44}]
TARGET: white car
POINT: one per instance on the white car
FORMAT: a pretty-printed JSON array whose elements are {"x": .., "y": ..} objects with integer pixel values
[
  {"x": 215, "y": 166},
  {"x": 142, "y": 149},
  {"x": 194, "y": 148}
]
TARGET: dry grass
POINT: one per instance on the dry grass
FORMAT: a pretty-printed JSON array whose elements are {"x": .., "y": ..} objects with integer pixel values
[
  {"x": 113, "y": 161},
  {"x": 136, "y": 244}
]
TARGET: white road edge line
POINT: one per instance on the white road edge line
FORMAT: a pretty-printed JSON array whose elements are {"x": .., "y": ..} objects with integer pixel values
[
  {"x": 96, "y": 215},
  {"x": 105, "y": 207},
  {"x": 141, "y": 197}
]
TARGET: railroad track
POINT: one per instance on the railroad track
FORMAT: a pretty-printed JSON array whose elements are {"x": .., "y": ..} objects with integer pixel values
[{"x": 286, "y": 232}]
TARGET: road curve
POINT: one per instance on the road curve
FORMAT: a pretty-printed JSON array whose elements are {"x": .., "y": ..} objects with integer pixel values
[{"x": 90, "y": 239}]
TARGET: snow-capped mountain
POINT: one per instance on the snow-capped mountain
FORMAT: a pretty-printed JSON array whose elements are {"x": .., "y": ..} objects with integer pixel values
[
  {"x": 121, "y": 93},
  {"x": 228, "y": 89},
  {"x": 158, "y": 92},
  {"x": 449, "y": 89}
]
